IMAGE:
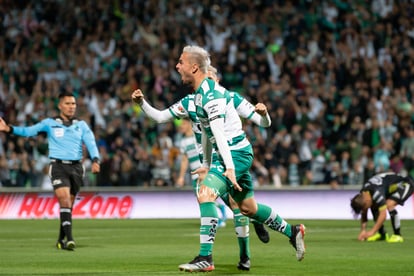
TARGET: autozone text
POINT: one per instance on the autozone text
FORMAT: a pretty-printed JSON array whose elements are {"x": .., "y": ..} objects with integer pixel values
[{"x": 88, "y": 205}]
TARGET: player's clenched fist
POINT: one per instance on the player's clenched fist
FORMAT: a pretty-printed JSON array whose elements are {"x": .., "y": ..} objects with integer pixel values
[
  {"x": 137, "y": 96},
  {"x": 261, "y": 109}
]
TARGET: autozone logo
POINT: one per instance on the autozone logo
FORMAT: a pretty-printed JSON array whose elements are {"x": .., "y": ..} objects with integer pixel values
[{"x": 88, "y": 205}]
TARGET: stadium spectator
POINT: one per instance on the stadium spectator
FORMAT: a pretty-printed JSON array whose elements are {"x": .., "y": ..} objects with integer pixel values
[
  {"x": 4, "y": 172},
  {"x": 407, "y": 150},
  {"x": 337, "y": 61}
]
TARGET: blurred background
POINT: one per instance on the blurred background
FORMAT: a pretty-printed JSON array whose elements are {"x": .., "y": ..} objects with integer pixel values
[{"x": 337, "y": 78}]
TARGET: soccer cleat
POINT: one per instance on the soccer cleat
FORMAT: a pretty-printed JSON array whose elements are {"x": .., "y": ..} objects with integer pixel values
[
  {"x": 70, "y": 245},
  {"x": 60, "y": 244},
  {"x": 244, "y": 264},
  {"x": 199, "y": 264},
  {"x": 395, "y": 238},
  {"x": 378, "y": 237},
  {"x": 261, "y": 232},
  {"x": 297, "y": 240}
]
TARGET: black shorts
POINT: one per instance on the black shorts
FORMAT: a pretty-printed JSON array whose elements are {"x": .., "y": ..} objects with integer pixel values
[
  {"x": 67, "y": 175},
  {"x": 402, "y": 193}
]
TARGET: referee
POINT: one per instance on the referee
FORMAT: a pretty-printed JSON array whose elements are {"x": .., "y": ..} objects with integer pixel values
[{"x": 66, "y": 136}]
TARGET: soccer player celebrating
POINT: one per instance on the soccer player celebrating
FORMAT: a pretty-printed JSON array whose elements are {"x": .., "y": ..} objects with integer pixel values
[
  {"x": 66, "y": 136},
  {"x": 229, "y": 172},
  {"x": 185, "y": 108},
  {"x": 380, "y": 193}
]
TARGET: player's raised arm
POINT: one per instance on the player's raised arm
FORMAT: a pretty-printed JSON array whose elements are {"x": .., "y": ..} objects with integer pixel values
[
  {"x": 257, "y": 114},
  {"x": 160, "y": 116}
]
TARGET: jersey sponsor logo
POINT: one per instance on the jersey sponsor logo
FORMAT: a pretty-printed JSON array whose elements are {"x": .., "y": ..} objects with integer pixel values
[
  {"x": 215, "y": 117},
  {"x": 210, "y": 96},
  {"x": 213, "y": 107},
  {"x": 213, "y": 112}
]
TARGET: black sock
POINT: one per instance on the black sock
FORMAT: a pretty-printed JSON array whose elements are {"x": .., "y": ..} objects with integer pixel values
[
  {"x": 66, "y": 222},
  {"x": 61, "y": 232},
  {"x": 395, "y": 221},
  {"x": 375, "y": 215}
]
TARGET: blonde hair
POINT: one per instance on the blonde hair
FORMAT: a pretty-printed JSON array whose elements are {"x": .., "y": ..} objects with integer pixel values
[
  {"x": 200, "y": 56},
  {"x": 212, "y": 71}
]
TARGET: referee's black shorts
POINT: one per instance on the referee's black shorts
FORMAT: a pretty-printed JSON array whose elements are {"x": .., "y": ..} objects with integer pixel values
[{"x": 67, "y": 175}]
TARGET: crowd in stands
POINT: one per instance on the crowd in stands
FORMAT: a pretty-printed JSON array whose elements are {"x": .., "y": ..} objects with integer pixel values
[{"x": 337, "y": 77}]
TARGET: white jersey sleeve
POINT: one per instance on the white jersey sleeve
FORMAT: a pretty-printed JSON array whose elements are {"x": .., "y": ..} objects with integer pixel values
[
  {"x": 160, "y": 116},
  {"x": 246, "y": 110}
]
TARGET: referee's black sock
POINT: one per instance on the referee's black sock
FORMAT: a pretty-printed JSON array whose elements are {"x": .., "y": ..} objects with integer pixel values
[
  {"x": 66, "y": 222},
  {"x": 61, "y": 233},
  {"x": 395, "y": 221}
]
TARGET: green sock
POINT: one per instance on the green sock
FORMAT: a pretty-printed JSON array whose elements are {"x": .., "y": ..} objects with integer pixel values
[
  {"x": 268, "y": 216},
  {"x": 208, "y": 227},
  {"x": 241, "y": 225}
]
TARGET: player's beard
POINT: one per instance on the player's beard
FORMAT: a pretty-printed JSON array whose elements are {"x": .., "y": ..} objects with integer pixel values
[{"x": 186, "y": 79}]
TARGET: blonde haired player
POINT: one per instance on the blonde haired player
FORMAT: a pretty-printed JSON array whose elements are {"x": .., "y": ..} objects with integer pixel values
[
  {"x": 185, "y": 108},
  {"x": 228, "y": 173}
]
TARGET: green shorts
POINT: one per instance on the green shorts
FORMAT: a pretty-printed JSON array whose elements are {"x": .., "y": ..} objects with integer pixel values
[{"x": 215, "y": 179}]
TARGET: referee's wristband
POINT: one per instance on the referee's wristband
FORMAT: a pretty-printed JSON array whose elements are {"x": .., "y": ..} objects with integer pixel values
[
  {"x": 96, "y": 160},
  {"x": 10, "y": 130}
]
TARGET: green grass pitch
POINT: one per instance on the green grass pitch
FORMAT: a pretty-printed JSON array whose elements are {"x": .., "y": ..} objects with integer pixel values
[{"x": 157, "y": 247}]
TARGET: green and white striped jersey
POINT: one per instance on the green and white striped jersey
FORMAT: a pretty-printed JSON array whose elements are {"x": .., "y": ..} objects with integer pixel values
[
  {"x": 185, "y": 108},
  {"x": 213, "y": 101},
  {"x": 189, "y": 146}
]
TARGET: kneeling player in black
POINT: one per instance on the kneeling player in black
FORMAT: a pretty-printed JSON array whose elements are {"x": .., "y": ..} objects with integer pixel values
[{"x": 380, "y": 193}]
